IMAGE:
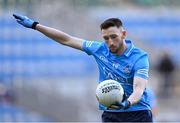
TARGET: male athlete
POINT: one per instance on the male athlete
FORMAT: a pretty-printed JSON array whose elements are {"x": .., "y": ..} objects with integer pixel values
[{"x": 117, "y": 59}]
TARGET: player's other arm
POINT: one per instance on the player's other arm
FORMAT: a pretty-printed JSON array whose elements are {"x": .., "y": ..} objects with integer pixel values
[
  {"x": 138, "y": 89},
  {"x": 52, "y": 33},
  {"x": 140, "y": 79}
]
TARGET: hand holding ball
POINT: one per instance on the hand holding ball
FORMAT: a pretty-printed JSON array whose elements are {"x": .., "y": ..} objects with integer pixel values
[{"x": 109, "y": 92}]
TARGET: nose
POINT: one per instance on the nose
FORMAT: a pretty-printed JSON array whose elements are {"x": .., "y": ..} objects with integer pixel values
[{"x": 110, "y": 42}]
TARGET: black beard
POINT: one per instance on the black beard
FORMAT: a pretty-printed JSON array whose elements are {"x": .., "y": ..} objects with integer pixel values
[{"x": 117, "y": 50}]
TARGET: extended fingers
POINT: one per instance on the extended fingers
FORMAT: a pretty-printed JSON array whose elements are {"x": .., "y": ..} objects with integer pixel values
[{"x": 17, "y": 16}]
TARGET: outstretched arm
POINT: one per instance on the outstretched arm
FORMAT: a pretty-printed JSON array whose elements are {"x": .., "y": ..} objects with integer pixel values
[
  {"x": 52, "y": 33},
  {"x": 60, "y": 36}
]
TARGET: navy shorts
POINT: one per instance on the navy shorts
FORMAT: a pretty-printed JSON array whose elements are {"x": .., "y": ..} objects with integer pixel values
[{"x": 134, "y": 116}]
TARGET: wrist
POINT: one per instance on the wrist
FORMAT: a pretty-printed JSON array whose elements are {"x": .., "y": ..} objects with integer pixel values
[
  {"x": 34, "y": 25},
  {"x": 129, "y": 103}
]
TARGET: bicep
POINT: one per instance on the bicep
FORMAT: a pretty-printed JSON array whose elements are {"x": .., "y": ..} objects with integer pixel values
[
  {"x": 75, "y": 42},
  {"x": 87, "y": 46}
]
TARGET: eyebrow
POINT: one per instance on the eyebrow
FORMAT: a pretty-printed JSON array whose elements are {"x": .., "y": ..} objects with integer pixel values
[{"x": 110, "y": 35}]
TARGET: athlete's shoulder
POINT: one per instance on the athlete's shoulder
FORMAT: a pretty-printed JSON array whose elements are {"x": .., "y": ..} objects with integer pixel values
[
  {"x": 91, "y": 47},
  {"x": 133, "y": 50},
  {"x": 140, "y": 55},
  {"x": 139, "y": 51},
  {"x": 135, "y": 54}
]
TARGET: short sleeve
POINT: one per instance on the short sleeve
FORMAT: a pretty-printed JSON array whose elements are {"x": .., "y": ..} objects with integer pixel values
[
  {"x": 141, "y": 67},
  {"x": 91, "y": 46}
]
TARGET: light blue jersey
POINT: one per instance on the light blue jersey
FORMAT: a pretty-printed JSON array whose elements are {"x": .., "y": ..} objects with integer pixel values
[
  {"x": 152, "y": 98},
  {"x": 133, "y": 62}
]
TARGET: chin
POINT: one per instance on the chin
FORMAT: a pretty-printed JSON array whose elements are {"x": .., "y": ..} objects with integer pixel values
[{"x": 113, "y": 51}]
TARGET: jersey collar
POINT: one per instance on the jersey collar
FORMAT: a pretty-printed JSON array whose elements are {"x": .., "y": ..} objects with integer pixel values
[
  {"x": 129, "y": 49},
  {"x": 126, "y": 53}
]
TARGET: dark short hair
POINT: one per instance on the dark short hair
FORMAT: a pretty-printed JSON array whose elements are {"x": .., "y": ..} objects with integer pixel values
[{"x": 111, "y": 22}]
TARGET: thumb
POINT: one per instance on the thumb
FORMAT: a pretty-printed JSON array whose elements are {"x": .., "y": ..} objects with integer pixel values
[{"x": 20, "y": 22}]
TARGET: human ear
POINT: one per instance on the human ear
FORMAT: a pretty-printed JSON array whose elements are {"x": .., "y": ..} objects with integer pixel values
[{"x": 123, "y": 34}]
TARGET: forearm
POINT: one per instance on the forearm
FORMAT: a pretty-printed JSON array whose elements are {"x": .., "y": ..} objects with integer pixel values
[
  {"x": 138, "y": 90},
  {"x": 54, "y": 34},
  {"x": 135, "y": 97}
]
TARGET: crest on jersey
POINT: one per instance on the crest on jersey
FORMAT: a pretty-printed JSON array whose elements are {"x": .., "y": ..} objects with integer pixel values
[{"x": 127, "y": 69}]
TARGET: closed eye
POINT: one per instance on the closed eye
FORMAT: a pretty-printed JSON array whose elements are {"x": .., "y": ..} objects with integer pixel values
[
  {"x": 113, "y": 36},
  {"x": 106, "y": 38}
]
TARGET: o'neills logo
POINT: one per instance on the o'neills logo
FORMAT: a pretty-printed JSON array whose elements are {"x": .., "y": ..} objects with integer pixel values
[{"x": 110, "y": 88}]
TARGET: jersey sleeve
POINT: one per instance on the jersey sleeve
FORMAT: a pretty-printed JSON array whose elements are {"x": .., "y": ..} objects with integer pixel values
[
  {"x": 91, "y": 46},
  {"x": 142, "y": 67}
]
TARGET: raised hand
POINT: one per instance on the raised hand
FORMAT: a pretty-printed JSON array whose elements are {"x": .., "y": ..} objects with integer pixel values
[{"x": 25, "y": 21}]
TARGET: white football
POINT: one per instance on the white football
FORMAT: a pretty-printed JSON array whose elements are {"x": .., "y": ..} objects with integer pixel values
[{"x": 109, "y": 92}]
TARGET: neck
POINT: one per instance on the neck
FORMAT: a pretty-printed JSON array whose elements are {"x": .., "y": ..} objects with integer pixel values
[{"x": 122, "y": 48}]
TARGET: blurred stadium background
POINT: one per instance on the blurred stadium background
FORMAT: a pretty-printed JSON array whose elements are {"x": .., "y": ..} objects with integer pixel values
[{"x": 41, "y": 80}]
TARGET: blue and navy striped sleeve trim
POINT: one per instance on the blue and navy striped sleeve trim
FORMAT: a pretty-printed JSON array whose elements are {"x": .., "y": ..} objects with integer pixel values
[
  {"x": 143, "y": 73},
  {"x": 86, "y": 45},
  {"x": 90, "y": 47}
]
